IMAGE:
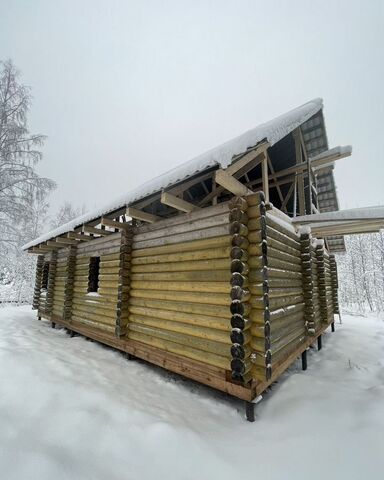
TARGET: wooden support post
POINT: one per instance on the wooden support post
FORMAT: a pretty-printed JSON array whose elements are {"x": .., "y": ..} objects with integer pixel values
[
  {"x": 304, "y": 360},
  {"x": 319, "y": 343},
  {"x": 250, "y": 411},
  {"x": 300, "y": 178},
  {"x": 264, "y": 169}
]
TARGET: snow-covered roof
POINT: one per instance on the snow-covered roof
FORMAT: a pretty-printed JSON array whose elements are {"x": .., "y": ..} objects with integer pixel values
[{"x": 221, "y": 156}]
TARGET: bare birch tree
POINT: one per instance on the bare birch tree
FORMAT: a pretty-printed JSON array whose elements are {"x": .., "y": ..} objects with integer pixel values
[{"x": 20, "y": 185}]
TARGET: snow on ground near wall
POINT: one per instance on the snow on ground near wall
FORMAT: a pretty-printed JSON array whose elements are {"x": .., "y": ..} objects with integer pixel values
[{"x": 73, "y": 409}]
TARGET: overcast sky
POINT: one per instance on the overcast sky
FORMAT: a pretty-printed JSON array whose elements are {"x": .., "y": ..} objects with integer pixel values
[{"x": 126, "y": 90}]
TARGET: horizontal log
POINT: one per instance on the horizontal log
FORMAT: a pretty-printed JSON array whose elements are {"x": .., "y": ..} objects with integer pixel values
[
  {"x": 180, "y": 296},
  {"x": 104, "y": 327},
  {"x": 255, "y": 237},
  {"x": 256, "y": 275},
  {"x": 192, "y": 246},
  {"x": 258, "y": 289},
  {"x": 205, "y": 346},
  {"x": 184, "y": 218},
  {"x": 184, "y": 328},
  {"x": 220, "y": 264},
  {"x": 185, "y": 307},
  {"x": 212, "y": 221},
  {"x": 203, "y": 287},
  {"x": 188, "y": 276},
  {"x": 277, "y": 302},
  {"x": 80, "y": 315},
  {"x": 184, "y": 351},
  {"x": 259, "y": 316},
  {"x": 274, "y": 263},
  {"x": 222, "y": 230},
  {"x": 177, "y": 316},
  {"x": 207, "y": 254}
]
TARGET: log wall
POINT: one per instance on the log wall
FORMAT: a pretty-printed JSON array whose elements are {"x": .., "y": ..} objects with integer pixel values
[
  {"x": 97, "y": 310},
  {"x": 232, "y": 287},
  {"x": 179, "y": 289},
  {"x": 60, "y": 281},
  {"x": 43, "y": 307}
]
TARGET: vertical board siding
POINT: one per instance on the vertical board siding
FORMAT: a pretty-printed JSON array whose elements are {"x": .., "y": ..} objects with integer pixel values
[{"x": 179, "y": 286}]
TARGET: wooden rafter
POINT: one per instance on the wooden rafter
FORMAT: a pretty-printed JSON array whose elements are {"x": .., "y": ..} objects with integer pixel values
[
  {"x": 108, "y": 222},
  {"x": 287, "y": 197},
  {"x": 230, "y": 183},
  {"x": 300, "y": 177},
  {"x": 78, "y": 236},
  {"x": 140, "y": 215},
  {"x": 65, "y": 241},
  {"x": 273, "y": 172},
  {"x": 95, "y": 231},
  {"x": 237, "y": 170},
  {"x": 177, "y": 203}
]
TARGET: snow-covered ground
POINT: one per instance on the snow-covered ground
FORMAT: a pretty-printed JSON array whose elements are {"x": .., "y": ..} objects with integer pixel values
[{"x": 73, "y": 409}]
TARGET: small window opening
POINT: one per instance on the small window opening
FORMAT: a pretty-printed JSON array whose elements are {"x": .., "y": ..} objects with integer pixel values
[
  {"x": 93, "y": 277},
  {"x": 44, "y": 280}
]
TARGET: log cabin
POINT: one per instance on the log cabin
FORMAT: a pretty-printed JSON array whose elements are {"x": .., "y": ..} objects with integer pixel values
[{"x": 221, "y": 270}]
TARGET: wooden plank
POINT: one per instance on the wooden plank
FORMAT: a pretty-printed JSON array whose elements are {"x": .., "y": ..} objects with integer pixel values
[
  {"x": 96, "y": 231},
  {"x": 140, "y": 215},
  {"x": 79, "y": 236},
  {"x": 230, "y": 183},
  {"x": 66, "y": 241},
  {"x": 264, "y": 171},
  {"x": 108, "y": 222},
  {"x": 258, "y": 153},
  {"x": 177, "y": 203}
]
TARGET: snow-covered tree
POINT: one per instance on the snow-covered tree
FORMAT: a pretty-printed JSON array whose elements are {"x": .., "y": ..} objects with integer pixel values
[
  {"x": 361, "y": 272},
  {"x": 66, "y": 213},
  {"x": 23, "y": 193},
  {"x": 20, "y": 185}
]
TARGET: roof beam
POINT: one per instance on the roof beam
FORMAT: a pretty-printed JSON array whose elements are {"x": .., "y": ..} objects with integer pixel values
[
  {"x": 79, "y": 236},
  {"x": 96, "y": 231},
  {"x": 230, "y": 183},
  {"x": 140, "y": 215},
  {"x": 247, "y": 158},
  {"x": 66, "y": 241},
  {"x": 108, "y": 222},
  {"x": 177, "y": 203}
]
